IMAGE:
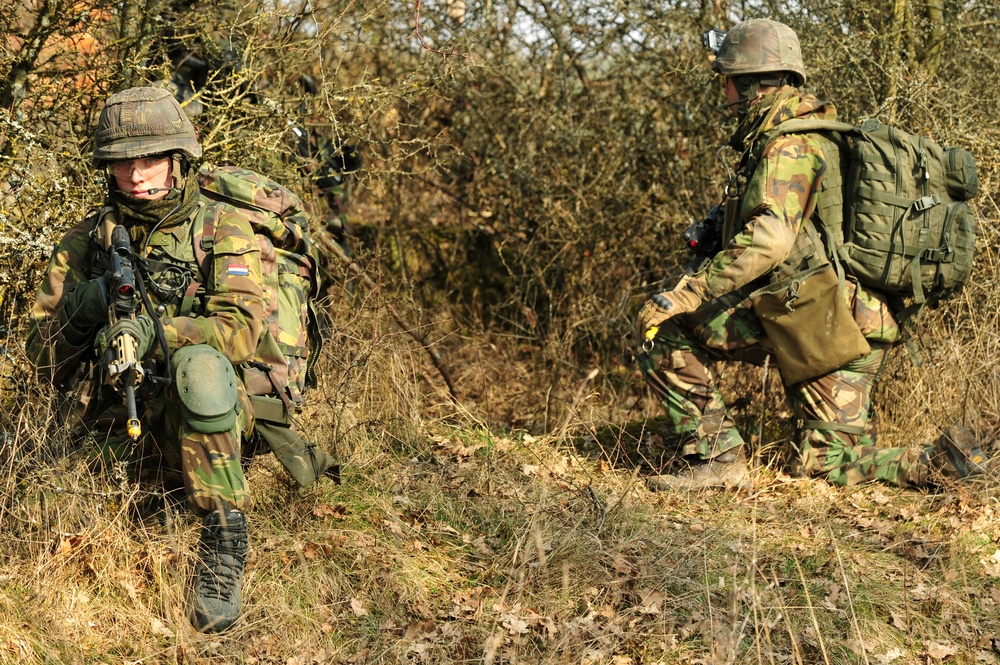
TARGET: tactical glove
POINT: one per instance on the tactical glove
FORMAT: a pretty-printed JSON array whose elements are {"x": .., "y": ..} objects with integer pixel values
[
  {"x": 86, "y": 307},
  {"x": 686, "y": 297},
  {"x": 142, "y": 330}
]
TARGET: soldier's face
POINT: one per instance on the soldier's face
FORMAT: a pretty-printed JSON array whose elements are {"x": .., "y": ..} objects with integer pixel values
[{"x": 144, "y": 177}]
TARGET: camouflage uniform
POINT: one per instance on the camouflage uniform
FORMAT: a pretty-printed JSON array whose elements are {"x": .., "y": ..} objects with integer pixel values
[
  {"x": 834, "y": 409},
  {"x": 226, "y": 317}
]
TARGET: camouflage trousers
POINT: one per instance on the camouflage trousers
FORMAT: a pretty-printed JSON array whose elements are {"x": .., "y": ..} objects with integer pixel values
[
  {"x": 834, "y": 437},
  {"x": 207, "y": 465}
]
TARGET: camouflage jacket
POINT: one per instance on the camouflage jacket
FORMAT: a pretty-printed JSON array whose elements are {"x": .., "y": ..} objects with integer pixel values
[
  {"x": 779, "y": 184},
  {"x": 227, "y": 311}
]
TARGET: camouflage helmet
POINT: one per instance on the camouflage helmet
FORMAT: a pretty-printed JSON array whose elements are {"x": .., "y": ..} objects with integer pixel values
[
  {"x": 760, "y": 46},
  {"x": 143, "y": 121}
]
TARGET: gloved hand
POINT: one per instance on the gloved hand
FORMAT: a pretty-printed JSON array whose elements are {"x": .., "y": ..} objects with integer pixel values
[
  {"x": 686, "y": 297},
  {"x": 142, "y": 329},
  {"x": 87, "y": 304}
]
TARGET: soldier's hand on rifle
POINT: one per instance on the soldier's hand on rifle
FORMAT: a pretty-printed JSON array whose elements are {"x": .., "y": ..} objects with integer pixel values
[
  {"x": 86, "y": 307},
  {"x": 142, "y": 330},
  {"x": 686, "y": 297}
]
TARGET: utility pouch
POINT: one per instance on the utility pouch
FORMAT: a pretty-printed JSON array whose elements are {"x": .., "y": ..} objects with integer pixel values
[
  {"x": 302, "y": 458},
  {"x": 808, "y": 325}
]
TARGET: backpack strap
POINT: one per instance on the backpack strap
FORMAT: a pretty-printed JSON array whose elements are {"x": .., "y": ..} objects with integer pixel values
[
  {"x": 810, "y": 126},
  {"x": 203, "y": 227}
]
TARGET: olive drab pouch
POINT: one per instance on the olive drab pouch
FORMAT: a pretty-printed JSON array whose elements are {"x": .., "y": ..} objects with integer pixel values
[
  {"x": 282, "y": 368},
  {"x": 809, "y": 326}
]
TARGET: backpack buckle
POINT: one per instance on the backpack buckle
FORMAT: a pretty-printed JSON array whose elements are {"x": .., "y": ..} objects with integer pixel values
[{"x": 926, "y": 202}]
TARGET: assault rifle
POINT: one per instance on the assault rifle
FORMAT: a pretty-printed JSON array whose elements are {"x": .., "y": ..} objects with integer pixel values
[
  {"x": 124, "y": 370},
  {"x": 704, "y": 238}
]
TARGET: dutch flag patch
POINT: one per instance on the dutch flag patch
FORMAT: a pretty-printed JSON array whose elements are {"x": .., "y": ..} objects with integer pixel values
[{"x": 238, "y": 270}]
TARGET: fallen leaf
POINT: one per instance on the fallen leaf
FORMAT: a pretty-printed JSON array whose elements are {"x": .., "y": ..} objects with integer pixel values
[
  {"x": 420, "y": 628},
  {"x": 158, "y": 628},
  {"x": 514, "y": 625},
  {"x": 326, "y": 510},
  {"x": 991, "y": 566},
  {"x": 530, "y": 469},
  {"x": 491, "y": 647},
  {"x": 940, "y": 651},
  {"x": 67, "y": 544},
  {"x": 889, "y": 657},
  {"x": 358, "y": 607},
  {"x": 649, "y": 601}
]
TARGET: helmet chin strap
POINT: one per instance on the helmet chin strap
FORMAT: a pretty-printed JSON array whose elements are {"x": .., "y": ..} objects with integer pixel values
[{"x": 177, "y": 170}]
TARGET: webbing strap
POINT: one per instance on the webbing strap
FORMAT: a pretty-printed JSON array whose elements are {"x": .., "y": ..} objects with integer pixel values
[
  {"x": 872, "y": 209},
  {"x": 921, "y": 204},
  {"x": 187, "y": 302},
  {"x": 928, "y": 254},
  {"x": 918, "y": 288},
  {"x": 880, "y": 176},
  {"x": 203, "y": 249}
]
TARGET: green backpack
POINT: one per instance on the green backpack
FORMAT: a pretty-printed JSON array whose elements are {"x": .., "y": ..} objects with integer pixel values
[
  {"x": 283, "y": 367},
  {"x": 892, "y": 207}
]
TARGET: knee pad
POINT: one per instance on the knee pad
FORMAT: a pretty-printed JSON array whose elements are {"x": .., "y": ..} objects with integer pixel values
[{"x": 207, "y": 386}]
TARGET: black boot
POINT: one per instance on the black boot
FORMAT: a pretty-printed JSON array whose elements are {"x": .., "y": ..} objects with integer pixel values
[
  {"x": 217, "y": 596},
  {"x": 957, "y": 454}
]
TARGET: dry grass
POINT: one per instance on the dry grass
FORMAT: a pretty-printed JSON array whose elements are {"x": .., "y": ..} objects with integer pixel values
[{"x": 450, "y": 541}]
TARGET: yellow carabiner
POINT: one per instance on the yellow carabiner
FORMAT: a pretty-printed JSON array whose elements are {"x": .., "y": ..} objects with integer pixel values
[{"x": 647, "y": 344}]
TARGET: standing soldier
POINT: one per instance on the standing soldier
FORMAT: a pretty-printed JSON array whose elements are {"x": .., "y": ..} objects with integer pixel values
[
  {"x": 189, "y": 326},
  {"x": 714, "y": 311}
]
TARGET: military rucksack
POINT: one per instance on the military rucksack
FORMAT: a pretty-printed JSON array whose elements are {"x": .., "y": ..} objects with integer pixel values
[
  {"x": 892, "y": 207},
  {"x": 283, "y": 366}
]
